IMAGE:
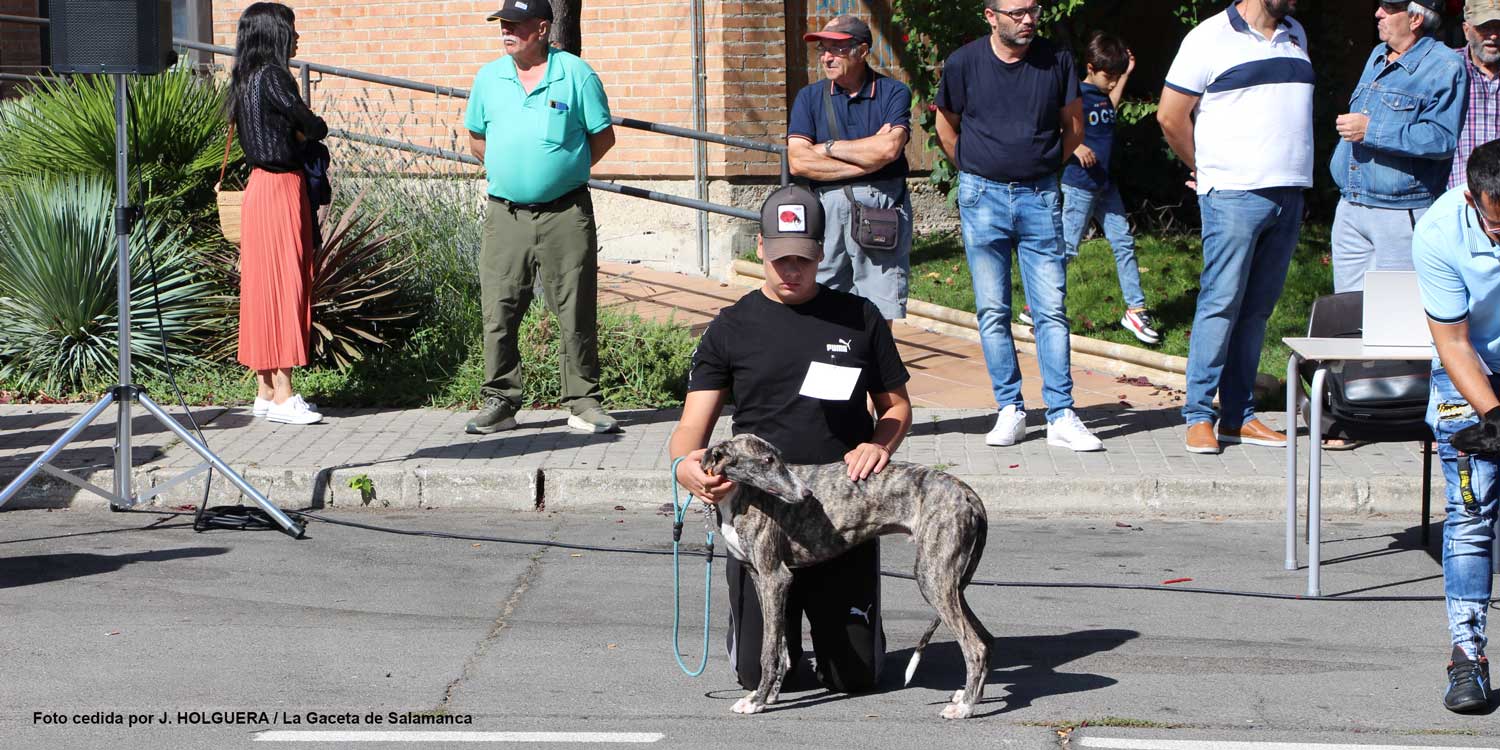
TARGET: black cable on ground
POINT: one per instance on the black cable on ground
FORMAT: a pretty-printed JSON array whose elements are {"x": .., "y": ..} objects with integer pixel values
[{"x": 887, "y": 573}]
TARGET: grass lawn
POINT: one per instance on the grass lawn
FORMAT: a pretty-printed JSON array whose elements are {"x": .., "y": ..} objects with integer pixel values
[{"x": 1169, "y": 265}]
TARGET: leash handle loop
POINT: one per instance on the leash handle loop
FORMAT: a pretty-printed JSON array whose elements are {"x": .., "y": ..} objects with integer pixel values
[{"x": 680, "y": 508}]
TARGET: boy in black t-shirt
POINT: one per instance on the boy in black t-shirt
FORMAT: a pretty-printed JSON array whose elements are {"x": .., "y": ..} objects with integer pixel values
[
  {"x": 800, "y": 361},
  {"x": 1089, "y": 193}
]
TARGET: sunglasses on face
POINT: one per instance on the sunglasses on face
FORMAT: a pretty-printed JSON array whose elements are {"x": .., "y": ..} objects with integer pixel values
[{"x": 841, "y": 50}]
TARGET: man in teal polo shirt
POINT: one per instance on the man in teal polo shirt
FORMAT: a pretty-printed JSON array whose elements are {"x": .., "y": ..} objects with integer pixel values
[
  {"x": 539, "y": 120},
  {"x": 1456, "y": 251}
]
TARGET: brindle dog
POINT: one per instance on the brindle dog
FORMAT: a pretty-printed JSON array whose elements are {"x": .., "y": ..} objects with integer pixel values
[{"x": 793, "y": 516}]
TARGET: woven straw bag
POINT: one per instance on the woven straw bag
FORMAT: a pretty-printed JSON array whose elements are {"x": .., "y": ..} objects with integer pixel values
[{"x": 229, "y": 201}]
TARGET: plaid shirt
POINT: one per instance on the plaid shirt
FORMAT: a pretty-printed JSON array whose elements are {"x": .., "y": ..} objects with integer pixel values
[{"x": 1482, "y": 123}]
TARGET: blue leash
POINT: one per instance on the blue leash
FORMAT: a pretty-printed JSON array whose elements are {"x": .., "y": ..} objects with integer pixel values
[{"x": 708, "y": 570}]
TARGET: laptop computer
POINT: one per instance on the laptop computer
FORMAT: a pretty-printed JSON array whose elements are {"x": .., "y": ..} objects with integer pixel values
[{"x": 1393, "y": 313}]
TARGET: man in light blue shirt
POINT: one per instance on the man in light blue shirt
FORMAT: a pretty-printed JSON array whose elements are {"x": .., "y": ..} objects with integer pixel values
[
  {"x": 1397, "y": 142},
  {"x": 1456, "y": 250},
  {"x": 539, "y": 120}
]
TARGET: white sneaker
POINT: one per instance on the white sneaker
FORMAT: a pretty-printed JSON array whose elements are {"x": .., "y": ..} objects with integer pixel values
[
  {"x": 1140, "y": 323},
  {"x": 1067, "y": 431},
  {"x": 293, "y": 411},
  {"x": 263, "y": 405},
  {"x": 1010, "y": 427}
]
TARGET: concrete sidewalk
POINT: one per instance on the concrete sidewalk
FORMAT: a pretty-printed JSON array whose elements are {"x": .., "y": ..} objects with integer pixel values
[{"x": 422, "y": 458}]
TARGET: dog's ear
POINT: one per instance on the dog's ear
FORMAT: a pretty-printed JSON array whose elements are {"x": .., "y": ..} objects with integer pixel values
[{"x": 714, "y": 459}]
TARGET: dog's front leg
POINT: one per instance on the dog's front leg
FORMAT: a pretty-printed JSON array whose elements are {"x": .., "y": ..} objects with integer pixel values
[{"x": 771, "y": 587}]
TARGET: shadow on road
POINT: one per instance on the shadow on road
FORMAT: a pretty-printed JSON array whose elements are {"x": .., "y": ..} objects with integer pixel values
[{"x": 34, "y": 569}]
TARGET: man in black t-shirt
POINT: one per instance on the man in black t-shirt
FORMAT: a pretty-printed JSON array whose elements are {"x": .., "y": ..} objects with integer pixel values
[
  {"x": 799, "y": 361},
  {"x": 1008, "y": 114}
]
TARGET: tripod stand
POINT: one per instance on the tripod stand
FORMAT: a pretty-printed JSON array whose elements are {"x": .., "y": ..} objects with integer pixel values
[{"x": 123, "y": 393}]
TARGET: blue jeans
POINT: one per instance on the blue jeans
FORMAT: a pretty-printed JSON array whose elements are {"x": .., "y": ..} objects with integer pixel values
[
  {"x": 1469, "y": 531},
  {"x": 1248, "y": 239},
  {"x": 1024, "y": 217},
  {"x": 1080, "y": 206}
]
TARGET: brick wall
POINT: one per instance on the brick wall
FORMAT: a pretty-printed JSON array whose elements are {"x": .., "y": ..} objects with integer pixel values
[
  {"x": 20, "y": 44},
  {"x": 640, "y": 48}
]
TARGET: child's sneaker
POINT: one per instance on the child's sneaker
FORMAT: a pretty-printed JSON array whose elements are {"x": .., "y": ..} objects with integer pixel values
[
  {"x": 1468, "y": 683},
  {"x": 1025, "y": 316},
  {"x": 1140, "y": 323}
]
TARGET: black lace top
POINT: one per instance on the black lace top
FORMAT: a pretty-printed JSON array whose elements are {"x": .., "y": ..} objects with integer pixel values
[{"x": 268, "y": 113}]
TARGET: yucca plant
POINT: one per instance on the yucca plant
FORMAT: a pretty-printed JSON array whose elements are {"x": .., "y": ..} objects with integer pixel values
[
  {"x": 356, "y": 287},
  {"x": 176, "y": 132},
  {"x": 58, "y": 293},
  {"x": 357, "y": 296}
]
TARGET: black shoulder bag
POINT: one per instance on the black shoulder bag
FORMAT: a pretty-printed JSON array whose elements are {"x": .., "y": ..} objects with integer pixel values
[{"x": 874, "y": 228}]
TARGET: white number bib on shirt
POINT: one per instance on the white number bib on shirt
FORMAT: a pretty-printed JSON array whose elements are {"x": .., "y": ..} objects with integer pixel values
[{"x": 829, "y": 382}]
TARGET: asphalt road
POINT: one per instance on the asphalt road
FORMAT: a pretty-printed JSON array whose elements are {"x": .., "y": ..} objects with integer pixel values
[{"x": 228, "y": 639}]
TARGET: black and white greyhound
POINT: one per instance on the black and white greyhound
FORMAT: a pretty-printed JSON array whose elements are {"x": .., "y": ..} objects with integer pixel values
[{"x": 793, "y": 516}]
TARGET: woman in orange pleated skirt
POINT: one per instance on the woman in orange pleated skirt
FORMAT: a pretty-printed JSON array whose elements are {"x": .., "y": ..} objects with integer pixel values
[{"x": 276, "y": 247}]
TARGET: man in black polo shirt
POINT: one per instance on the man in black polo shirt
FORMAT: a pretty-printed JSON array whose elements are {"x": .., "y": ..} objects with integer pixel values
[
  {"x": 799, "y": 361},
  {"x": 1008, "y": 114},
  {"x": 861, "y": 155}
]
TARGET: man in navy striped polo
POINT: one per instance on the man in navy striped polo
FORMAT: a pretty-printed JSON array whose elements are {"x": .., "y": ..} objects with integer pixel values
[{"x": 1237, "y": 109}]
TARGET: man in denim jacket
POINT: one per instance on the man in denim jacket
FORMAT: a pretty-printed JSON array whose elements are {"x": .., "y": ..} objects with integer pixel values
[{"x": 1397, "y": 142}]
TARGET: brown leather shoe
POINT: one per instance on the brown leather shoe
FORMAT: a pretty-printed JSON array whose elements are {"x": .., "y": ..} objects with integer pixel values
[
  {"x": 1200, "y": 438},
  {"x": 1254, "y": 432}
]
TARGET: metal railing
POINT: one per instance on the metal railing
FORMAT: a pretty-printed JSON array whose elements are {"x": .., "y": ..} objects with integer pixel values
[
  {"x": 307, "y": 67},
  {"x": 613, "y": 187}
]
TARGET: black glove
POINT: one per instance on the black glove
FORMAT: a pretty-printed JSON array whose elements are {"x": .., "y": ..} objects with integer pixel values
[{"x": 1482, "y": 439}]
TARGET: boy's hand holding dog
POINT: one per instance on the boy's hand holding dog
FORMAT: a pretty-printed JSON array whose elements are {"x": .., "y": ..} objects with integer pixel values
[{"x": 707, "y": 487}]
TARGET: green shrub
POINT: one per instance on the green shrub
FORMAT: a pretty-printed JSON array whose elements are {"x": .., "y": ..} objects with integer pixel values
[
  {"x": 58, "y": 289},
  {"x": 176, "y": 127},
  {"x": 641, "y": 363}
]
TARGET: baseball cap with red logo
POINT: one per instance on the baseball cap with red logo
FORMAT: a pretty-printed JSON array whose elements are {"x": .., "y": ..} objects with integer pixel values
[
  {"x": 842, "y": 29},
  {"x": 791, "y": 223}
]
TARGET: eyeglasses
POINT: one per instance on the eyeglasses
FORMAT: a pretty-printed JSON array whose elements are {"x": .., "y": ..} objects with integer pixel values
[
  {"x": 1392, "y": 9},
  {"x": 841, "y": 50},
  {"x": 1489, "y": 227},
  {"x": 1017, "y": 16}
]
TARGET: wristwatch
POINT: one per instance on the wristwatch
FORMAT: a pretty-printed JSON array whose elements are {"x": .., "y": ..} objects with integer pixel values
[{"x": 828, "y": 148}]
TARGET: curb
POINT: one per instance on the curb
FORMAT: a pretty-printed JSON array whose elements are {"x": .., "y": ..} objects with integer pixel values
[
  {"x": 1104, "y": 356},
  {"x": 587, "y": 490}
]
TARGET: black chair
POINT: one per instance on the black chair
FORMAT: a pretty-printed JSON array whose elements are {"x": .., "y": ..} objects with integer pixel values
[{"x": 1374, "y": 400}]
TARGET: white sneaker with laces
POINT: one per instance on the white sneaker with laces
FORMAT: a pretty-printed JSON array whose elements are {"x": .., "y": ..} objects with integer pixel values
[
  {"x": 1139, "y": 322},
  {"x": 1010, "y": 427},
  {"x": 293, "y": 411},
  {"x": 1067, "y": 431},
  {"x": 263, "y": 406}
]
